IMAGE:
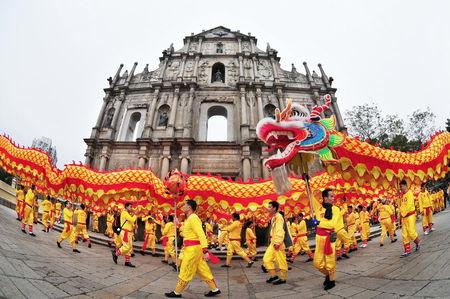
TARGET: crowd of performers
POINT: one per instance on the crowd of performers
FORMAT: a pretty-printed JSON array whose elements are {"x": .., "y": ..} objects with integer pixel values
[{"x": 335, "y": 228}]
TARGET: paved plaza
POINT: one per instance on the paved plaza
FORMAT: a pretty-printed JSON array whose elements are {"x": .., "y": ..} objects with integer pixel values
[{"x": 36, "y": 268}]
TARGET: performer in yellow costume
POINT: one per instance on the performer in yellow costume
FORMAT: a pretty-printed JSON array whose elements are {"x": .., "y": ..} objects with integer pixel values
[
  {"x": 426, "y": 209},
  {"x": 234, "y": 244},
  {"x": 250, "y": 239},
  {"x": 168, "y": 240},
  {"x": 343, "y": 239},
  {"x": 276, "y": 250},
  {"x": 20, "y": 195},
  {"x": 58, "y": 211},
  {"x": 95, "y": 217},
  {"x": 210, "y": 233},
  {"x": 68, "y": 231},
  {"x": 195, "y": 254},
  {"x": 28, "y": 211},
  {"x": 223, "y": 235},
  {"x": 364, "y": 217},
  {"x": 127, "y": 225},
  {"x": 46, "y": 206},
  {"x": 300, "y": 241},
  {"x": 81, "y": 229},
  {"x": 109, "y": 224},
  {"x": 149, "y": 239},
  {"x": 324, "y": 255},
  {"x": 352, "y": 227},
  {"x": 52, "y": 213},
  {"x": 408, "y": 219},
  {"x": 385, "y": 213}
]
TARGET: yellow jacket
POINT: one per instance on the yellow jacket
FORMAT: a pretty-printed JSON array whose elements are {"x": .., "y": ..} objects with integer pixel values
[
  {"x": 328, "y": 223},
  {"x": 425, "y": 200},
  {"x": 208, "y": 228},
  {"x": 129, "y": 224},
  {"x": 384, "y": 211},
  {"x": 277, "y": 230},
  {"x": 20, "y": 195},
  {"x": 340, "y": 219},
  {"x": 81, "y": 216},
  {"x": 249, "y": 235},
  {"x": 46, "y": 206},
  {"x": 110, "y": 218},
  {"x": 234, "y": 230},
  {"x": 364, "y": 216},
  {"x": 58, "y": 206},
  {"x": 67, "y": 215},
  {"x": 193, "y": 230},
  {"x": 29, "y": 198},
  {"x": 301, "y": 228},
  {"x": 407, "y": 203},
  {"x": 169, "y": 230}
]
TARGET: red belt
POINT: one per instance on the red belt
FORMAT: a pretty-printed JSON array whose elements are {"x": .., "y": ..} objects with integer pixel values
[
  {"x": 428, "y": 211},
  {"x": 366, "y": 222},
  {"x": 298, "y": 236},
  {"x": 188, "y": 243},
  {"x": 409, "y": 214},
  {"x": 393, "y": 218},
  {"x": 164, "y": 240},
  {"x": 234, "y": 239},
  {"x": 68, "y": 226},
  {"x": 45, "y": 212},
  {"x": 381, "y": 219},
  {"x": 326, "y": 233},
  {"x": 81, "y": 223},
  {"x": 29, "y": 205}
]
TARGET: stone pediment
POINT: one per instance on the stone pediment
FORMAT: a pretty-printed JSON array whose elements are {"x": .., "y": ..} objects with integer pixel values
[{"x": 219, "y": 32}]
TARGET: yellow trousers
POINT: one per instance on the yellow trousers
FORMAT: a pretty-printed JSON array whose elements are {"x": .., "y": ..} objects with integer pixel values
[
  {"x": 427, "y": 220},
  {"x": 125, "y": 244},
  {"x": 169, "y": 249},
  {"x": 52, "y": 219},
  {"x": 149, "y": 241},
  {"x": 109, "y": 230},
  {"x": 279, "y": 256},
  {"x": 223, "y": 239},
  {"x": 58, "y": 215},
  {"x": 251, "y": 247},
  {"x": 386, "y": 227},
  {"x": 342, "y": 240},
  {"x": 409, "y": 232},
  {"x": 68, "y": 232},
  {"x": 95, "y": 225},
  {"x": 301, "y": 245},
  {"x": 19, "y": 207},
  {"x": 45, "y": 219},
  {"x": 365, "y": 231},
  {"x": 82, "y": 231},
  {"x": 326, "y": 264},
  {"x": 235, "y": 246},
  {"x": 28, "y": 216},
  {"x": 351, "y": 235},
  {"x": 193, "y": 263}
]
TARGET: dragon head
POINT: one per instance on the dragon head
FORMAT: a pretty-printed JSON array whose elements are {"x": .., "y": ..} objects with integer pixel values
[{"x": 296, "y": 130}]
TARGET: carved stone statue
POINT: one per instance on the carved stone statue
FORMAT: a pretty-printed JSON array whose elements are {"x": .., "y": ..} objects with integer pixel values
[
  {"x": 109, "y": 118},
  {"x": 218, "y": 76},
  {"x": 163, "y": 119}
]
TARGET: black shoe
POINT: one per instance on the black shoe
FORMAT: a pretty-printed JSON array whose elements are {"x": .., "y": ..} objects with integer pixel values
[
  {"x": 279, "y": 281},
  {"x": 142, "y": 252},
  {"x": 114, "y": 256},
  {"x": 327, "y": 280},
  {"x": 33, "y": 235},
  {"x": 59, "y": 244},
  {"x": 24, "y": 231},
  {"x": 172, "y": 295},
  {"x": 174, "y": 266},
  {"x": 289, "y": 268},
  {"x": 109, "y": 244},
  {"x": 346, "y": 256},
  {"x": 212, "y": 293},
  {"x": 44, "y": 230},
  {"x": 132, "y": 255},
  {"x": 153, "y": 254},
  {"x": 128, "y": 264},
  {"x": 381, "y": 244},
  {"x": 250, "y": 264},
  {"x": 339, "y": 258},
  {"x": 331, "y": 284},
  {"x": 164, "y": 261},
  {"x": 76, "y": 250},
  {"x": 393, "y": 241},
  {"x": 255, "y": 259},
  {"x": 226, "y": 266},
  {"x": 272, "y": 279},
  {"x": 417, "y": 247},
  {"x": 264, "y": 269},
  {"x": 89, "y": 245},
  {"x": 290, "y": 261}
]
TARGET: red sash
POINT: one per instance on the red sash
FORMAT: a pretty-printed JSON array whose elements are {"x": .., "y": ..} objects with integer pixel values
[
  {"x": 235, "y": 240},
  {"x": 125, "y": 235},
  {"x": 326, "y": 233},
  {"x": 164, "y": 240},
  {"x": 428, "y": 211},
  {"x": 409, "y": 214},
  {"x": 393, "y": 218},
  {"x": 214, "y": 259},
  {"x": 68, "y": 226}
]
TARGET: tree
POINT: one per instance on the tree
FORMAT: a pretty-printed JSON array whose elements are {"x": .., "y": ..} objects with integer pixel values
[{"x": 421, "y": 125}]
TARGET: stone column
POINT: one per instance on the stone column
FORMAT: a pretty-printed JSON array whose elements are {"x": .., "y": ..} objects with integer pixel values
[
  {"x": 127, "y": 83},
  {"x": 142, "y": 156},
  {"x": 244, "y": 117},
  {"x": 103, "y": 160},
  {"x": 98, "y": 124},
  {"x": 184, "y": 165},
  {"x": 181, "y": 71},
  {"x": 115, "y": 119},
  {"x": 197, "y": 58},
  {"x": 173, "y": 109},
  {"x": 241, "y": 69},
  {"x": 263, "y": 157},
  {"x": 274, "y": 68},
  {"x": 281, "y": 98},
  {"x": 89, "y": 156},
  {"x": 151, "y": 113},
  {"x": 259, "y": 101},
  {"x": 200, "y": 40},
  {"x": 239, "y": 45},
  {"x": 165, "y": 164},
  {"x": 337, "y": 113},
  {"x": 246, "y": 166},
  {"x": 117, "y": 76},
  {"x": 252, "y": 44},
  {"x": 255, "y": 71},
  {"x": 188, "y": 115}
]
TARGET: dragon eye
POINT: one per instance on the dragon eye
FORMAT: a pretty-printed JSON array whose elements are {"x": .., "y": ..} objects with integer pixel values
[{"x": 298, "y": 113}]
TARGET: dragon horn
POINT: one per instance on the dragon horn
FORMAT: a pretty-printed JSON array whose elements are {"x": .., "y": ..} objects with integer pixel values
[
  {"x": 315, "y": 113},
  {"x": 286, "y": 113}
]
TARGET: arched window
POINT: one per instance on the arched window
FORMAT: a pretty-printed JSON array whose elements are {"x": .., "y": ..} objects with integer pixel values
[
  {"x": 163, "y": 116},
  {"x": 217, "y": 124},
  {"x": 269, "y": 111},
  {"x": 132, "y": 131},
  {"x": 218, "y": 73},
  {"x": 219, "y": 48},
  {"x": 109, "y": 118}
]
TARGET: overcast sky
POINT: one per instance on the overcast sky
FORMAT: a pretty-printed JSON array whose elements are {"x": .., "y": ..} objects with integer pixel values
[{"x": 55, "y": 56}]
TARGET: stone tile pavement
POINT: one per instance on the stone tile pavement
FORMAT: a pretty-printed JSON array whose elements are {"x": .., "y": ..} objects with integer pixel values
[{"x": 36, "y": 268}]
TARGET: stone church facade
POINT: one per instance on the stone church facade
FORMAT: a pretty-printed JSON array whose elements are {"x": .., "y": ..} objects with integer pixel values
[{"x": 158, "y": 118}]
